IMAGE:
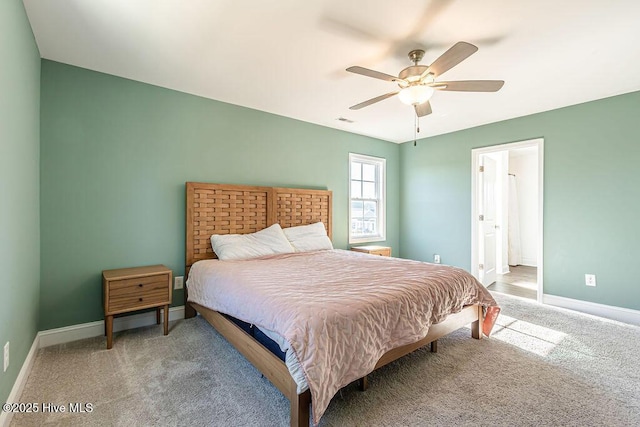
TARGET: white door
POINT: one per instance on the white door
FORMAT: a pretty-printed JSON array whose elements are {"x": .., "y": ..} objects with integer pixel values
[{"x": 487, "y": 220}]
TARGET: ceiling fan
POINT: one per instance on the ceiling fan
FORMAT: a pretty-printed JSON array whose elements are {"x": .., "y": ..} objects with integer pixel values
[{"x": 418, "y": 82}]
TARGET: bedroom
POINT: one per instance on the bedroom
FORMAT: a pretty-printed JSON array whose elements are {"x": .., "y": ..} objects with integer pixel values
[{"x": 93, "y": 172}]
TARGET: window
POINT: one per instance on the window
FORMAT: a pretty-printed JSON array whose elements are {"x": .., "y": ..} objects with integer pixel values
[{"x": 366, "y": 193}]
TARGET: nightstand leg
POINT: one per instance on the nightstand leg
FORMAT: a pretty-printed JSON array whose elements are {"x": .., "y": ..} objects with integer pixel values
[
  {"x": 109, "y": 324},
  {"x": 158, "y": 316},
  {"x": 166, "y": 320}
]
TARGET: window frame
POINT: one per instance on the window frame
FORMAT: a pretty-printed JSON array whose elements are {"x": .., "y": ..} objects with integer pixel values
[{"x": 381, "y": 189}]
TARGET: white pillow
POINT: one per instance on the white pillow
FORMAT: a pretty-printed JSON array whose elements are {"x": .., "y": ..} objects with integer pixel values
[
  {"x": 308, "y": 237},
  {"x": 269, "y": 241}
]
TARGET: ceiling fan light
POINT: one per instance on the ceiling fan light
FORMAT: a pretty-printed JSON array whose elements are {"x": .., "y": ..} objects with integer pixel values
[{"x": 416, "y": 94}]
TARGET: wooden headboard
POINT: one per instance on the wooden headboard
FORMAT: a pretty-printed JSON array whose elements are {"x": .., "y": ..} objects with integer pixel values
[{"x": 242, "y": 209}]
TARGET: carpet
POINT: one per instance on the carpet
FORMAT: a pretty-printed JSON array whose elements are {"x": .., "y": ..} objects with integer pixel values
[{"x": 542, "y": 366}]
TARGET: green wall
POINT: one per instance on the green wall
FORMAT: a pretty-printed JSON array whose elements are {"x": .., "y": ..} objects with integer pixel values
[
  {"x": 115, "y": 157},
  {"x": 591, "y": 196},
  {"x": 19, "y": 188}
]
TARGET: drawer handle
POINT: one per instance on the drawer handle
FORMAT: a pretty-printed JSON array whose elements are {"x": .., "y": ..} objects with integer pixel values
[
  {"x": 140, "y": 285},
  {"x": 140, "y": 299}
]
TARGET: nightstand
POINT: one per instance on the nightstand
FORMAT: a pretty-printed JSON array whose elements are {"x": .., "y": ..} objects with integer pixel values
[
  {"x": 373, "y": 250},
  {"x": 131, "y": 289}
]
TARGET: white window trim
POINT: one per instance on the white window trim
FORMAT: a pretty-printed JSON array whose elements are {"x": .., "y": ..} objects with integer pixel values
[{"x": 382, "y": 214}]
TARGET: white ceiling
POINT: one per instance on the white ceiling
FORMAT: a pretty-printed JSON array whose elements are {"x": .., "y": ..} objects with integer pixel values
[{"x": 288, "y": 57}]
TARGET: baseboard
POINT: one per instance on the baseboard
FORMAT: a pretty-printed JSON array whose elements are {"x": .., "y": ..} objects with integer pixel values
[
  {"x": 529, "y": 262},
  {"x": 620, "y": 314},
  {"x": 21, "y": 381},
  {"x": 96, "y": 329}
]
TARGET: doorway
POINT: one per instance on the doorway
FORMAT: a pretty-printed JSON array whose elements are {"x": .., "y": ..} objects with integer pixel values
[{"x": 507, "y": 196}]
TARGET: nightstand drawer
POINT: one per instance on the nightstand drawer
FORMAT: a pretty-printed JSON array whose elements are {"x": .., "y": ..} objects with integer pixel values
[
  {"x": 138, "y": 285},
  {"x": 139, "y": 300},
  {"x": 381, "y": 252}
]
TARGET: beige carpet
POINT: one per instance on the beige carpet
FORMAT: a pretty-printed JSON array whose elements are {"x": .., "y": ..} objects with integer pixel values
[{"x": 543, "y": 366}]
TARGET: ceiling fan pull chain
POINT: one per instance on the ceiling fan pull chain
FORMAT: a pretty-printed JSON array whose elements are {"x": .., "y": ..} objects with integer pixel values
[{"x": 416, "y": 129}]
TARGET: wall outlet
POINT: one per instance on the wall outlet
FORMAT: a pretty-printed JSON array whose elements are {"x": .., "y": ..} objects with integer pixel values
[
  {"x": 436, "y": 259},
  {"x": 6, "y": 357},
  {"x": 178, "y": 282},
  {"x": 590, "y": 279}
]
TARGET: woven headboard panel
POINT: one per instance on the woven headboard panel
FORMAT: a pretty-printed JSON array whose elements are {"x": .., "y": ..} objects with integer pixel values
[
  {"x": 295, "y": 207},
  {"x": 242, "y": 209}
]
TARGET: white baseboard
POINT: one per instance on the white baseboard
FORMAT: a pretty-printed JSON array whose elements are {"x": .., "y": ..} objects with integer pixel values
[
  {"x": 620, "y": 314},
  {"x": 529, "y": 262},
  {"x": 21, "y": 381},
  {"x": 96, "y": 329}
]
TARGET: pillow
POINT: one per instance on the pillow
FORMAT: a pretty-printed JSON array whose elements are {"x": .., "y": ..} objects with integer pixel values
[
  {"x": 269, "y": 241},
  {"x": 308, "y": 237}
]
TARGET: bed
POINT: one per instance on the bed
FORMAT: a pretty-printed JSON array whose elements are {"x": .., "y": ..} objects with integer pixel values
[{"x": 218, "y": 209}]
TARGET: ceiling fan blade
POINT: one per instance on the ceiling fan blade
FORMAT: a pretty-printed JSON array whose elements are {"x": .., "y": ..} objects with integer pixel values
[
  {"x": 373, "y": 100},
  {"x": 344, "y": 27},
  {"x": 470, "y": 85},
  {"x": 423, "y": 109},
  {"x": 371, "y": 73},
  {"x": 455, "y": 55}
]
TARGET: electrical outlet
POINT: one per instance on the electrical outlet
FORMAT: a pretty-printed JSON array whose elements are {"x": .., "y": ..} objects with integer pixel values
[
  {"x": 6, "y": 356},
  {"x": 590, "y": 279},
  {"x": 436, "y": 259},
  {"x": 178, "y": 282}
]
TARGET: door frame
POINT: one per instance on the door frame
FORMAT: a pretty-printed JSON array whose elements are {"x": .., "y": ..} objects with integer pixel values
[{"x": 475, "y": 211}]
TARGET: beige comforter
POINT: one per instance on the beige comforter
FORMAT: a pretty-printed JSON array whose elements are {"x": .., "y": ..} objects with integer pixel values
[{"x": 340, "y": 311}]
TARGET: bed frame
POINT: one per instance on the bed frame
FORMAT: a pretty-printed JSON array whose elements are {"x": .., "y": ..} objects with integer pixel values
[{"x": 240, "y": 209}]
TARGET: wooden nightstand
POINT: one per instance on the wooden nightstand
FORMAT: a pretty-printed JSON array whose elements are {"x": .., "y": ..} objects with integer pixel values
[
  {"x": 373, "y": 250},
  {"x": 137, "y": 288}
]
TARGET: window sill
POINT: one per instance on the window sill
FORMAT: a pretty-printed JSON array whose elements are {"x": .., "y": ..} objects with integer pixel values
[{"x": 367, "y": 239}]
